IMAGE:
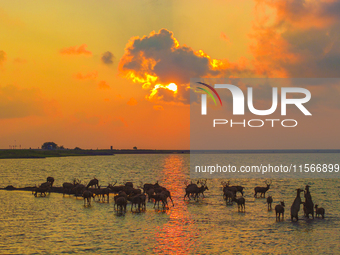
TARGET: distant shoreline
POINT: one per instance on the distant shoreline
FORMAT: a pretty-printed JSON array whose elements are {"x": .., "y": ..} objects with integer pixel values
[{"x": 39, "y": 153}]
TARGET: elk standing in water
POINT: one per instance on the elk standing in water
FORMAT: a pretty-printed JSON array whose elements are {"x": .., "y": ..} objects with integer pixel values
[
  {"x": 294, "y": 210},
  {"x": 193, "y": 189},
  {"x": 159, "y": 197},
  {"x": 68, "y": 187},
  {"x": 137, "y": 201},
  {"x": 308, "y": 206},
  {"x": 233, "y": 189},
  {"x": 42, "y": 189},
  {"x": 101, "y": 193},
  {"x": 227, "y": 190},
  {"x": 319, "y": 211},
  {"x": 116, "y": 197},
  {"x": 262, "y": 190},
  {"x": 50, "y": 180},
  {"x": 94, "y": 182},
  {"x": 269, "y": 202},
  {"x": 241, "y": 203},
  {"x": 121, "y": 203},
  {"x": 78, "y": 189},
  {"x": 280, "y": 209},
  {"x": 228, "y": 195},
  {"x": 87, "y": 197}
]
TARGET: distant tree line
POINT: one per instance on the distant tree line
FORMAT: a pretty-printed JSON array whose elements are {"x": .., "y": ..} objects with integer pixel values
[{"x": 54, "y": 146}]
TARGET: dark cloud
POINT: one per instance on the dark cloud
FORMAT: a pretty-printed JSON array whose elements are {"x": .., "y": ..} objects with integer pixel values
[
  {"x": 159, "y": 59},
  {"x": 303, "y": 40},
  {"x": 107, "y": 58}
]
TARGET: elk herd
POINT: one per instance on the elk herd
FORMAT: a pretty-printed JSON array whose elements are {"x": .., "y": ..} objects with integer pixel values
[
  {"x": 159, "y": 195},
  {"x": 123, "y": 194}
]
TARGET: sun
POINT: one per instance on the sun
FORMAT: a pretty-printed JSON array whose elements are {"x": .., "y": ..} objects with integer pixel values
[{"x": 172, "y": 86}]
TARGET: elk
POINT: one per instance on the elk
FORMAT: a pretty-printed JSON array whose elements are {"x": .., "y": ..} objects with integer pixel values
[
  {"x": 42, "y": 189},
  {"x": 164, "y": 192},
  {"x": 233, "y": 189},
  {"x": 116, "y": 189},
  {"x": 280, "y": 209},
  {"x": 120, "y": 194},
  {"x": 148, "y": 186},
  {"x": 203, "y": 187},
  {"x": 262, "y": 190},
  {"x": 228, "y": 197},
  {"x": 319, "y": 211},
  {"x": 94, "y": 182},
  {"x": 151, "y": 189},
  {"x": 87, "y": 197},
  {"x": 136, "y": 200},
  {"x": 68, "y": 187},
  {"x": 149, "y": 192},
  {"x": 239, "y": 189},
  {"x": 78, "y": 189},
  {"x": 50, "y": 180},
  {"x": 143, "y": 197},
  {"x": 294, "y": 210},
  {"x": 308, "y": 206},
  {"x": 167, "y": 195},
  {"x": 193, "y": 189},
  {"x": 129, "y": 184},
  {"x": 121, "y": 203},
  {"x": 156, "y": 187},
  {"x": 269, "y": 202},
  {"x": 127, "y": 188},
  {"x": 241, "y": 203},
  {"x": 102, "y": 192},
  {"x": 134, "y": 191},
  {"x": 47, "y": 186},
  {"x": 159, "y": 197},
  {"x": 228, "y": 192}
]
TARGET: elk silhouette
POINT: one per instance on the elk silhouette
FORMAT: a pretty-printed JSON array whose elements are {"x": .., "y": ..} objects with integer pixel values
[{"x": 262, "y": 190}]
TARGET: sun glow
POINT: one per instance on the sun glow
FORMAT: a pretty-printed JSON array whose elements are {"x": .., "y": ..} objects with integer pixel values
[
  {"x": 151, "y": 67},
  {"x": 171, "y": 86}
]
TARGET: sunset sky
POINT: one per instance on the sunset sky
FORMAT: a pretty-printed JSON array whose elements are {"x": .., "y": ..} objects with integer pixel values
[{"x": 96, "y": 74}]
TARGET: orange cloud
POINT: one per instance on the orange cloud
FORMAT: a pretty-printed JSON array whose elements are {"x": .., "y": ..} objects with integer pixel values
[
  {"x": 119, "y": 96},
  {"x": 103, "y": 85},
  {"x": 296, "y": 38},
  {"x": 158, "y": 107},
  {"x": 132, "y": 102},
  {"x": 91, "y": 75},
  {"x": 123, "y": 121},
  {"x": 224, "y": 37},
  {"x": 2, "y": 57},
  {"x": 74, "y": 50},
  {"x": 19, "y": 61}
]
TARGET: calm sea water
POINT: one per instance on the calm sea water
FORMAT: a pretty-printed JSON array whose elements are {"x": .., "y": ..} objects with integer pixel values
[{"x": 62, "y": 225}]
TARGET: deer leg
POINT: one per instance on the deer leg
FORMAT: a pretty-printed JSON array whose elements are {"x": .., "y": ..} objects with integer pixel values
[{"x": 172, "y": 201}]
